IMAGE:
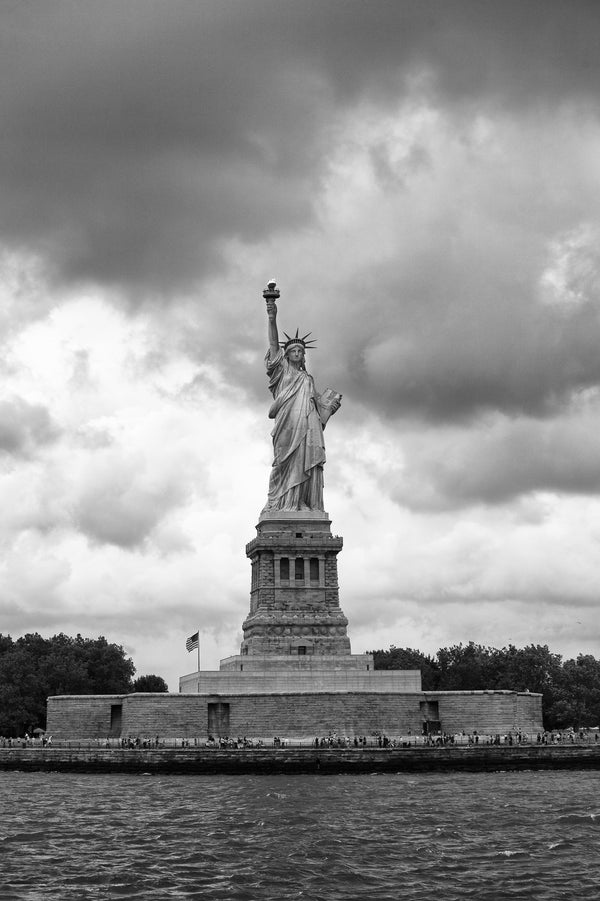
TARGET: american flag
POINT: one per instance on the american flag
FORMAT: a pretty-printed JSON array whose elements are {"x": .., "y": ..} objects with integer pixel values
[{"x": 193, "y": 641}]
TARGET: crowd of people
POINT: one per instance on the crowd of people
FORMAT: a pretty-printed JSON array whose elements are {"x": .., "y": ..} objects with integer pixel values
[
  {"x": 330, "y": 741},
  {"x": 27, "y": 741},
  {"x": 136, "y": 743},
  {"x": 224, "y": 741}
]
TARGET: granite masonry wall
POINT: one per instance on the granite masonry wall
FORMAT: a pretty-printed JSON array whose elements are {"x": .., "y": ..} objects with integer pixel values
[
  {"x": 302, "y": 760},
  {"x": 299, "y": 716}
]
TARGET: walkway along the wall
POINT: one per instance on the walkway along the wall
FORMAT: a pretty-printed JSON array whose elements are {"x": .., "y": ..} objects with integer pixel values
[{"x": 206, "y": 761}]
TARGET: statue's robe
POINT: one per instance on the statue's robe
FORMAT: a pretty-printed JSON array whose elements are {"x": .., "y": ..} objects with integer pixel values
[{"x": 296, "y": 481}]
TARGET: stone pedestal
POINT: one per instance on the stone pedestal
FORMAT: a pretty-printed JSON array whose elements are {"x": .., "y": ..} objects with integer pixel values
[{"x": 294, "y": 597}]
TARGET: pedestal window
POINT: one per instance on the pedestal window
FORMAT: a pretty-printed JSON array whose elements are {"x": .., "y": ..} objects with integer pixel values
[{"x": 314, "y": 569}]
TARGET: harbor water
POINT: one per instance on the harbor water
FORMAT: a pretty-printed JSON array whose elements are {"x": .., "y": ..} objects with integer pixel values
[{"x": 504, "y": 835}]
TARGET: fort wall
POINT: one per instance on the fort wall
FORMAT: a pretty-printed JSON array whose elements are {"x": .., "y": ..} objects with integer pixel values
[{"x": 298, "y": 716}]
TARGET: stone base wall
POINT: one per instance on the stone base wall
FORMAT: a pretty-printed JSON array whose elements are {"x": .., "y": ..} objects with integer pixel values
[
  {"x": 263, "y": 663},
  {"x": 85, "y": 716},
  {"x": 293, "y": 760},
  {"x": 502, "y": 711},
  {"x": 294, "y": 716},
  {"x": 307, "y": 681}
]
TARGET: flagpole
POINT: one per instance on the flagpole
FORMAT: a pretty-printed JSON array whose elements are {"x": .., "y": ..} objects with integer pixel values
[{"x": 198, "y": 683}]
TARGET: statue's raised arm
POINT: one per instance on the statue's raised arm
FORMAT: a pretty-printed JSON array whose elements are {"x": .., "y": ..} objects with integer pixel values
[
  {"x": 300, "y": 414},
  {"x": 272, "y": 331}
]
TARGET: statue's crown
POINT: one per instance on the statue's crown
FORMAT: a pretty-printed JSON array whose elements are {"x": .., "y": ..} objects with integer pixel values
[{"x": 303, "y": 342}]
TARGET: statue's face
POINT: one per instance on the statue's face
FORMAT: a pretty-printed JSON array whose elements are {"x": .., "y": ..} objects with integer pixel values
[{"x": 295, "y": 354}]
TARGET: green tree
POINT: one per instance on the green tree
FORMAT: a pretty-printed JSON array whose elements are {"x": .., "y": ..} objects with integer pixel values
[
  {"x": 149, "y": 683},
  {"x": 465, "y": 667},
  {"x": 6, "y": 643},
  {"x": 577, "y": 695},
  {"x": 533, "y": 668},
  {"x": 570, "y": 692},
  {"x": 33, "y": 668},
  {"x": 409, "y": 658}
]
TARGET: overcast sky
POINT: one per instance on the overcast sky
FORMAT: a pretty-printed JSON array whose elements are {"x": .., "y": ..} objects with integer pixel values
[{"x": 422, "y": 179}]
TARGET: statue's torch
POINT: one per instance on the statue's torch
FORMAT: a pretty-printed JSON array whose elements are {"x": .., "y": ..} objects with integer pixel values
[{"x": 271, "y": 292}]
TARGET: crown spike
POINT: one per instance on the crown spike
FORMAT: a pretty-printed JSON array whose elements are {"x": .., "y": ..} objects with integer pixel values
[{"x": 304, "y": 342}]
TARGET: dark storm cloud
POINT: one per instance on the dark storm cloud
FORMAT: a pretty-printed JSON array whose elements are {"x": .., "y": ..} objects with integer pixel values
[
  {"x": 24, "y": 427},
  {"x": 501, "y": 461},
  {"x": 452, "y": 346},
  {"x": 138, "y": 136}
]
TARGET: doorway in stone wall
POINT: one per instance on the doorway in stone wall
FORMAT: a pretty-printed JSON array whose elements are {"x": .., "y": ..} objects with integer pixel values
[
  {"x": 430, "y": 713},
  {"x": 218, "y": 718},
  {"x": 116, "y": 720}
]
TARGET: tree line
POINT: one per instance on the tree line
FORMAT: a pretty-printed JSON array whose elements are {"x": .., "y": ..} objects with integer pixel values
[
  {"x": 32, "y": 668},
  {"x": 570, "y": 689}
]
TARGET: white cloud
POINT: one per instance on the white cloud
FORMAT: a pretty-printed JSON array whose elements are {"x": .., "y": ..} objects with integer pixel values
[{"x": 24, "y": 427}]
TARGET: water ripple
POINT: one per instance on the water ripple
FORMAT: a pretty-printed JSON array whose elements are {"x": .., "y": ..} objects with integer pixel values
[{"x": 460, "y": 836}]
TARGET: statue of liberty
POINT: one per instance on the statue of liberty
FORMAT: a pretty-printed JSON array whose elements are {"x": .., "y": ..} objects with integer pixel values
[{"x": 300, "y": 414}]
